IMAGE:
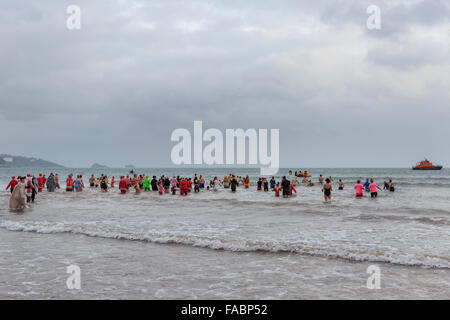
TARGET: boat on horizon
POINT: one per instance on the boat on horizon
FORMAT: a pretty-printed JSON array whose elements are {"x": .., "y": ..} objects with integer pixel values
[{"x": 426, "y": 165}]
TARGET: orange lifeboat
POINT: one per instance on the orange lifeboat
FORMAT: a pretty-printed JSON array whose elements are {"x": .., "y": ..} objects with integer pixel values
[{"x": 426, "y": 165}]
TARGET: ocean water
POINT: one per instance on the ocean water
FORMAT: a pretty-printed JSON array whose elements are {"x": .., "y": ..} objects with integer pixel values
[{"x": 223, "y": 245}]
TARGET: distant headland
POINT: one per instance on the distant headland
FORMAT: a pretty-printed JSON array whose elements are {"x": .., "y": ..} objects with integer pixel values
[
  {"x": 10, "y": 161},
  {"x": 99, "y": 166}
]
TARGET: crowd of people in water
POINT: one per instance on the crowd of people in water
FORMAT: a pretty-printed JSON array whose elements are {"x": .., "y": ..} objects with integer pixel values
[{"x": 25, "y": 188}]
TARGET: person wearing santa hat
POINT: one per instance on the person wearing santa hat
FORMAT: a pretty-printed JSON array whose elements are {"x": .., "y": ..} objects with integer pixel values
[
  {"x": 18, "y": 198},
  {"x": 12, "y": 184},
  {"x": 28, "y": 187},
  {"x": 183, "y": 187},
  {"x": 123, "y": 185},
  {"x": 40, "y": 182},
  {"x": 51, "y": 183}
]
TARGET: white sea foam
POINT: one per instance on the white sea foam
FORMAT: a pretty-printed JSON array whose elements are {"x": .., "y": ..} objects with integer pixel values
[{"x": 313, "y": 248}]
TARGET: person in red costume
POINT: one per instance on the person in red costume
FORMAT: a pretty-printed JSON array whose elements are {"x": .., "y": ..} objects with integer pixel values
[
  {"x": 40, "y": 181},
  {"x": 183, "y": 187},
  {"x": 277, "y": 190},
  {"x": 12, "y": 184},
  {"x": 28, "y": 187},
  {"x": 291, "y": 188},
  {"x": 123, "y": 185},
  {"x": 69, "y": 183}
]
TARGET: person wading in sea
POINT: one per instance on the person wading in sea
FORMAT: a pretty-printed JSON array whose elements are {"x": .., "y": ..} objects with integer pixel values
[{"x": 326, "y": 189}]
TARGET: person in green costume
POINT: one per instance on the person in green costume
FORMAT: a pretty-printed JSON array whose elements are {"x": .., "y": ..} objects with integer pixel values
[{"x": 146, "y": 184}]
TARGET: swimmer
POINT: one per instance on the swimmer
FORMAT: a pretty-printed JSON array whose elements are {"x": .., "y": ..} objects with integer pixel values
[
  {"x": 123, "y": 185},
  {"x": 277, "y": 189},
  {"x": 373, "y": 189},
  {"x": 77, "y": 184},
  {"x": 266, "y": 185},
  {"x": 196, "y": 185},
  {"x": 291, "y": 188},
  {"x": 166, "y": 185},
  {"x": 12, "y": 184},
  {"x": 272, "y": 183},
  {"x": 56, "y": 181},
  {"x": 173, "y": 182},
  {"x": 246, "y": 182},
  {"x": 366, "y": 185},
  {"x": 341, "y": 184},
  {"x": 259, "y": 185},
  {"x": 358, "y": 188},
  {"x": 326, "y": 189},
  {"x": 92, "y": 181},
  {"x": 285, "y": 183},
  {"x": 226, "y": 182},
  {"x": 233, "y": 184},
  {"x": 183, "y": 187},
  {"x": 391, "y": 186},
  {"x": 320, "y": 179},
  {"x": 154, "y": 184},
  {"x": 69, "y": 183},
  {"x": 104, "y": 184},
  {"x": 17, "y": 201},
  {"x": 146, "y": 184},
  {"x": 40, "y": 182},
  {"x": 35, "y": 188},
  {"x": 50, "y": 182},
  {"x": 201, "y": 182},
  {"x": 137, "y": 188}
]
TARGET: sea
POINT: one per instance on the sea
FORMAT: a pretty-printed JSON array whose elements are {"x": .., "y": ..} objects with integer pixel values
[{"x": 223, "y": 245}]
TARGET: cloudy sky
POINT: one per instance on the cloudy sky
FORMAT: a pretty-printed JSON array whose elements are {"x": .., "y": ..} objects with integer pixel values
[{"x": 112, "y": 92}]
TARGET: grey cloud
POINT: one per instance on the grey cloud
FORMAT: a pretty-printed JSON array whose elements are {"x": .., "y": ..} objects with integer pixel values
[{"x": 113, "y": 91}]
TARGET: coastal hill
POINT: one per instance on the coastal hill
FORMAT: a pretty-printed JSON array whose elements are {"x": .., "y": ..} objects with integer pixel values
[
  {"x": 99, "y": 166},
  {"x": 10, "y": 161}
]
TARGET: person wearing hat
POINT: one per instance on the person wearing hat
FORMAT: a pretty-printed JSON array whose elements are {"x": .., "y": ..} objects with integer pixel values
[
  {"x": 12, "y": 184},
  {"x": 29, "y": 187},
  {"x": 18, "y": 198},
  {"x": 123, "y": 185},
  {"x": 51, "y": 184},
  {"x": 40, "y": 182}
]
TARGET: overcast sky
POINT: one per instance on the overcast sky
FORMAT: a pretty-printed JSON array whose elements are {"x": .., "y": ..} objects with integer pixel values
[{"x": 113, "y": 91}]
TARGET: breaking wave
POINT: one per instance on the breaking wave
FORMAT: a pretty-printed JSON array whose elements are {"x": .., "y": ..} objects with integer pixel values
[{"x": 97, "y": 229}]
